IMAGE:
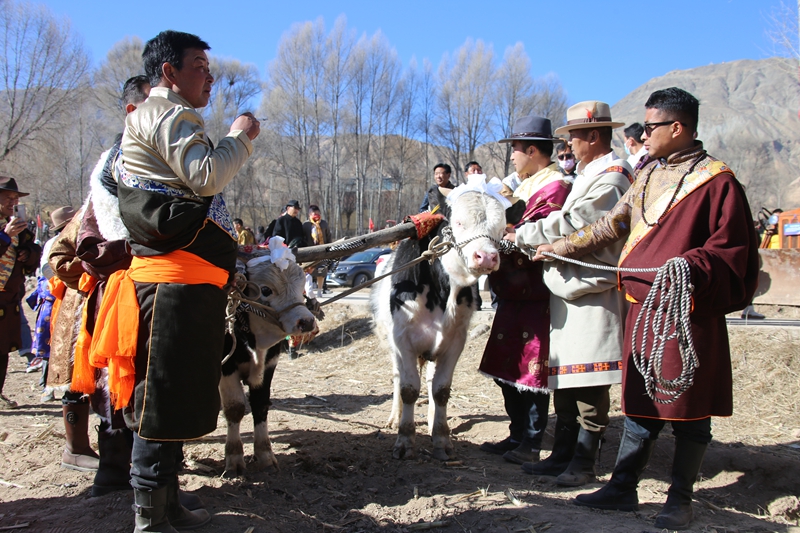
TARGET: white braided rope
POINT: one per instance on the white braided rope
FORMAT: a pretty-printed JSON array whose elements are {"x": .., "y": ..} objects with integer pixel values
[{"x": 666, "y": 312}]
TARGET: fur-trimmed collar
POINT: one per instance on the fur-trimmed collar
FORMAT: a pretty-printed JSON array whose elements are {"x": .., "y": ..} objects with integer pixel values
[{"x": 106, "y": 205}]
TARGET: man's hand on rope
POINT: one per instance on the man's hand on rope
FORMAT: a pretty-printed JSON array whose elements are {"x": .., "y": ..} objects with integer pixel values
[{"x": 541, "y": 250}]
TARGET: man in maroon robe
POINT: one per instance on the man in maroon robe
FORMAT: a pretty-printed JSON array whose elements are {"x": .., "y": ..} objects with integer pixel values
[{"x": 684, "y": 203}]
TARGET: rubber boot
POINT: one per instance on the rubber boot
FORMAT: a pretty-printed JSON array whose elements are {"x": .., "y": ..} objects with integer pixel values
[
  {"x": 620, "y": 492},
  {"x": 114, "y": 471},
  {"x": 526, "y": 452},
  {"x": 677, "y": 512},
  {"x": 78, "y": 455},
  {"x": 179, "y": 516},
  {"x": 580, "y": 470},
  {"x": 151, "y": 511},
  {"x": 566, "y": 435}
]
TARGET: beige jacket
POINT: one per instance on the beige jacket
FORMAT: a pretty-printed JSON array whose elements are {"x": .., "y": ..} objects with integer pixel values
[
  {"x": 586, "y": 310},
  {"x": 165, "y": 141}
]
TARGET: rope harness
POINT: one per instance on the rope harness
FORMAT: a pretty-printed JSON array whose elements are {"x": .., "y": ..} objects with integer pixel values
[{"x": 665, "y": 311}]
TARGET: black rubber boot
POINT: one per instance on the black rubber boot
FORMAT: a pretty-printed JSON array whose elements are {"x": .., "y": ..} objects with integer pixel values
[
  {"x": 677, "y": 512},
  {"x": 566, "y": 435},
  {"x": 151, "y": 511},
  {"x": 501, "y": 447},
  {"x": 179, "y": 516},
  {"x": 190, "y": 501},
  {"x": 114, "y": 472},
  {"x": 526, "y": 452},
  {"x": 620, "y": 492},
  {"x": 580, "y": 470}
]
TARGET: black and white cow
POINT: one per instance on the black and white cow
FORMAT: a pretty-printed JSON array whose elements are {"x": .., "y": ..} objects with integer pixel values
[
  {"x": 424, "y": 312},
  {"x": 278, "y": 284}
]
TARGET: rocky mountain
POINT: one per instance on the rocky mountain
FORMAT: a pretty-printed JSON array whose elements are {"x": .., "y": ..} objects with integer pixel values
[{"x": 748, "y": 118}]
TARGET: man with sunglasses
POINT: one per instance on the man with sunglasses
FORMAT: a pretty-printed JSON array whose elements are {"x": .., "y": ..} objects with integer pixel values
[
  {"x": 566, "y": 160},
  {"x": 686, "y": 204}
]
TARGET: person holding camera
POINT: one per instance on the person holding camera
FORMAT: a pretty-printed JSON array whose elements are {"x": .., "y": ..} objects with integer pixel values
[{"x": 19, "y": 255}]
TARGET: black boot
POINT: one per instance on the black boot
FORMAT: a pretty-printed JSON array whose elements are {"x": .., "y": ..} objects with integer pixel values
[
  {"x": 526, "y": 452},
  {"x": 114, "y": 472},
  {"x": 151, "y": 511},
  {"x": 677, "y": 512},
  {"x": 566, "y": 435},
  {"x": 500, "y": 447},
  {"x": 620, "y": 492},
  {"x": 580, "y": 470},
  {"x": 179, "y": 516}
]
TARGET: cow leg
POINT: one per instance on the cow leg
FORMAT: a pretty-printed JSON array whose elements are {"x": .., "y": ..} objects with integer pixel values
[
  {"x": 409, "y": 394},
  {"x": 440, "y": 379},
  {"x": 232, "y": 395},
  {"x": 259, "y": 405}
]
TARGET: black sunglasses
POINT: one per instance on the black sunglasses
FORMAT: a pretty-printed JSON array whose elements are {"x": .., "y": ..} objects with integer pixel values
[
  {"x": 650, "y": 126},
  {"x": 565, "y": 156}
]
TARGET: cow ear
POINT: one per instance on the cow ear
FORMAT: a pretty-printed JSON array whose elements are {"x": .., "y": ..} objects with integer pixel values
[
  {"x": 440, "y": 199},
  {"x": 246, "y": 253}
]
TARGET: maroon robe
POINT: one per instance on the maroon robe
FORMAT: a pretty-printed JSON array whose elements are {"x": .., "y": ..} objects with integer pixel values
[
  {"x": 518, "y": 348},
  {"x": 712, "y": 230}
]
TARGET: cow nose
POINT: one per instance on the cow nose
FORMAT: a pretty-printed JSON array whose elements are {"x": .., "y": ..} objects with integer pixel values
[
  {"x": 305, "y": 324},
  {"x": 484, "y": 259}
]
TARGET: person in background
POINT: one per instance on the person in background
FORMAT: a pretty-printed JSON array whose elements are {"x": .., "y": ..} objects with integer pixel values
[
  {"x": 18, "y": 255},
  {"x": 566, "y": 160},
  {"x": 441, "y": 175},
  {"x": 634, "y": 144},
  {"x": 289, "y": 226},
  {"x": 317, "y": 232},
  {"x": 245, "y": 235},
  {"x": 261, "y": 234}
]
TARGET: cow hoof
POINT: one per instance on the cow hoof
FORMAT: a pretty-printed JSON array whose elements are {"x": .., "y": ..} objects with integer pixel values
[
  {"x": 441, "y": 454},
  {"x": 234, "y": 467},
  {"x": 264, "y": 461},
  {"x": 400, "y": 451}
]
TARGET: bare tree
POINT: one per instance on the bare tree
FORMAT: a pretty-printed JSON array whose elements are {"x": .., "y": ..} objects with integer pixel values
[
  {"x": 122, "y": 62},
  {"x": 44, "y": 69},
  {"x": 465, "y": 101}
]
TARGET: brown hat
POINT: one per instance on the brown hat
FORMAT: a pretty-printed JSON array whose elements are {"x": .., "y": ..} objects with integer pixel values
[
  {"x": 61, "y": 217},
  {"x": 588, "y": 114},
  {"x": 10, "y": 184}
]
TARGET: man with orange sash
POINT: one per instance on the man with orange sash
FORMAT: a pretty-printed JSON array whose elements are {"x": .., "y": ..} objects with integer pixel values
[
  {"x": 684, "y": 203},
  {"x": 160, "y": 329}
]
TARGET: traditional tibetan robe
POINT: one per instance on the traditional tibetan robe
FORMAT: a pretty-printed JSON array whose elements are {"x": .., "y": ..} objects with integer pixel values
[
  {"x": 586, "y": 310},
  {"x": 518, "y": 347},
  {"x": 689, "y": 205},
  {"x": 184, "y": 246}
]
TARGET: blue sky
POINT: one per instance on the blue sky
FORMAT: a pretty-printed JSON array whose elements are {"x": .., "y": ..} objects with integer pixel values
[{"x": 600, "y": 50}]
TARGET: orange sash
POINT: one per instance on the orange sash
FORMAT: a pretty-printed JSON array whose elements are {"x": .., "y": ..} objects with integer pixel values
[{"x": 117, "y": 330}]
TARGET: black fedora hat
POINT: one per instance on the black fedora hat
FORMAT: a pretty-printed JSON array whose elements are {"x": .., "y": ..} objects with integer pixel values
[
  {"x": 293, "y": 203},
  {"x": 530, "y": 128},
  {"x": 10, "y": 184}
]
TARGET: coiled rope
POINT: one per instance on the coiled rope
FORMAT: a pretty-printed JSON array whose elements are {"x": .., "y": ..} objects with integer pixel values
[{"x": 666, "y": 313}]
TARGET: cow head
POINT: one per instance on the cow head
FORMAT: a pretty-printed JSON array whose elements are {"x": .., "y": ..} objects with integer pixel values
[
  {"x": 476, "y": 212},
  {"x": 277, "y": 281}
]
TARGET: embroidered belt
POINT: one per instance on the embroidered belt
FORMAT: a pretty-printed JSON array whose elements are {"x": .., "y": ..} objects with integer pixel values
[
  {"x": 217, "y": 212},
  {"x": 606, "y": 366}
]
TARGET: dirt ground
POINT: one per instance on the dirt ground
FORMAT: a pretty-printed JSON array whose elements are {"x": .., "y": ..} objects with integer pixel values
[{"x": 337, "y": 473}]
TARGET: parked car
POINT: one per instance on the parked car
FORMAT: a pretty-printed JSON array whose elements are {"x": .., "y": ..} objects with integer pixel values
[{"x": 358, "y": 268}]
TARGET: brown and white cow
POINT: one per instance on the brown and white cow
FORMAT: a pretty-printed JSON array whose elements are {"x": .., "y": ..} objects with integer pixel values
[
  {"x": 278, "y": 281},
  {"x": 424, "y": 312}
]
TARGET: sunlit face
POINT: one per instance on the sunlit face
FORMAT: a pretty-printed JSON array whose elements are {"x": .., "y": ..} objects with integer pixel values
[
  {"x": 474, "y": 169},
  {"x": 441, "y": 177},
  {"x": 193, "y": 81},
  {"x": 660, "y": 139},
  {"x": 521, "y": 157},
  {"x": 8, "y": 199},
  {"x": 578, "y": 140}
]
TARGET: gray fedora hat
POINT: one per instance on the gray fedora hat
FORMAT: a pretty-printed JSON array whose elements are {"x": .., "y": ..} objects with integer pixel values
[{"x": 530, "y": 128}]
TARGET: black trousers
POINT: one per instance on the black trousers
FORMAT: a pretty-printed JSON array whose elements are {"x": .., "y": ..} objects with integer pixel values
[
  {"x": 527, "y": 411},
  {"x": 154, "y": 463},
  {"x": 649, "y": 428}
]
